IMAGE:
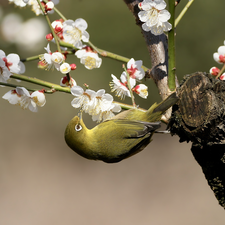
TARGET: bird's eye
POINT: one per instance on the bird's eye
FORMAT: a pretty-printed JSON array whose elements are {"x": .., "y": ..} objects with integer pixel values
[{"x": 78, "y": 127}]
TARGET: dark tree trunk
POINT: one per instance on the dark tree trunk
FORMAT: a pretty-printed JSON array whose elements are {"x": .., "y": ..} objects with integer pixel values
[{"x": 199, "y": 117}]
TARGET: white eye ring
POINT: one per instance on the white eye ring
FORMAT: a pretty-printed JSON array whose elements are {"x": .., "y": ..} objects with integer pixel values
[{"x": 78, "y": 127}]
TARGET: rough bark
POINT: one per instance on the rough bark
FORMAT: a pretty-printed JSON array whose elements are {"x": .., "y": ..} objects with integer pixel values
[
  {"x": 211, "y": 158},
  {"x": 199, "y": 117}
]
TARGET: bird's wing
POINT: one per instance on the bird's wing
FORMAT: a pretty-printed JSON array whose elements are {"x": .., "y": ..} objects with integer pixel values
[{"x": 135, "y": 129}]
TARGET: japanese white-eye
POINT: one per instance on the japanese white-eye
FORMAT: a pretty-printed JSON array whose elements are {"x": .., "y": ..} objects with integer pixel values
[{"x": 122, "y": 136}]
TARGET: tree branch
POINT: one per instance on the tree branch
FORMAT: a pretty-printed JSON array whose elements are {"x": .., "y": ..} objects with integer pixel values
[{"x": 158, "y": 50}]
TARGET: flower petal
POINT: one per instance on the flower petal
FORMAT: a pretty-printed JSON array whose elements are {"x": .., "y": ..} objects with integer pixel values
[
  {"x": 77, "y": 90},
  {"x": 221, "y": 50},
  {"x": 164, "y": 15}
]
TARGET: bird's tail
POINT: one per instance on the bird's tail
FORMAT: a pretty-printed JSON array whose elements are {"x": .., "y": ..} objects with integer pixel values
[{"x": 159, "y": 109}]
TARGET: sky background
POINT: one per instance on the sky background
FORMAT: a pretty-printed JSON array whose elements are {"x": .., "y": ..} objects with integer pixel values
[{"x": 42, "y": 181}]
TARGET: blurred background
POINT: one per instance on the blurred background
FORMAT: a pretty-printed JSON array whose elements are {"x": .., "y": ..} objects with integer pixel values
[{"x": 42, "y": 181}]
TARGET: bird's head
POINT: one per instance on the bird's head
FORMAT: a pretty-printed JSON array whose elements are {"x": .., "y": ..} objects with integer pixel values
[
  {"x": 80, "y": 139},
  {"x": 75, "y": 131}
]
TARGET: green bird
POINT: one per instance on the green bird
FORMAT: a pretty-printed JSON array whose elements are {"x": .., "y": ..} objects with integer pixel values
[{"x": 120, "y": 137}]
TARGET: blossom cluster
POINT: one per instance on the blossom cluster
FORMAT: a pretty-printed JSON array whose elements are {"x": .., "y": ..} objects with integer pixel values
[
  {"x": 97, "y": 104},
  {"x": 69, "y": 31},
  {"x": 135, "y": 72},
  {"x": 219, "y": 57},
  {"x": 53, "y": 60},
  {"x": 35, "y": 6},
  {"x": 100, "y": 106},
  {"x": 154, "y": 16},
  {"x": 21, "y": 96},
  {"x": 9, "y": 65},
  {"x": 74, "y": 33}
]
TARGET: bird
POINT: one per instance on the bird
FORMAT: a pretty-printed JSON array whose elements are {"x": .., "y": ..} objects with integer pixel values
[{"x": 120, "y": 137}]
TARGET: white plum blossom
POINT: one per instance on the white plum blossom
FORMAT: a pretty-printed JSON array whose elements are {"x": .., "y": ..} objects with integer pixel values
[
  {"x": 39, "y": 98},
  {"x": 134, "y": 68},
  {"x": 21, "y": 96},
  {"x": 82, "y": 98},
  {"x": 12, "y": 62},
  {"x": 141, "y": 90},
  {"x": 155, "y": 16},
  {"x": 108, "y": 113},
  {"x": 123, "y": 79},
  {"x": 97, "y": 104},
  {"x": 46, "y": 59},
  {"x": 65, "y": 68},
  {"x": 135, "y": 72},
  {"x": 74, "y": 32},
  {"x": 120, "y": 86},
  {"x": 57, "y": 57},
  {"x": 89, "y": 58},
  {"x": 50, "y": 60},
  {"x": 219, "y": 56},
  {"x": 12, "y": 97},
  {"x": 30, "y": 101}
]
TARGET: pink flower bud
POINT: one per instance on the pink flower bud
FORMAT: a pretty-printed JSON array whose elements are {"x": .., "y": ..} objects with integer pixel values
[
  {"x": 49, "y": 37},
  {"x": 214, "y": 71},
  {"x": 73, "y": 66}
]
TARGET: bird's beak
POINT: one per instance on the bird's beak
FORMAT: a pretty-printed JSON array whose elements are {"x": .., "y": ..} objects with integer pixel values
[{"x": 80, "y": 115}]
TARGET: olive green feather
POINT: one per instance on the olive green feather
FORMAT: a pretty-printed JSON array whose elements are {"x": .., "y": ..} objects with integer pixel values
[{"x": 124, "y": 135}]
